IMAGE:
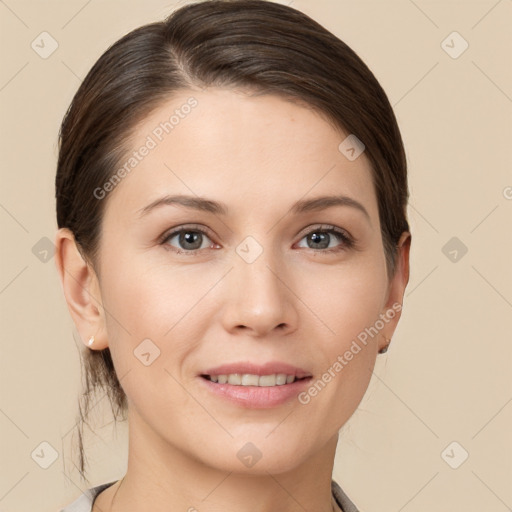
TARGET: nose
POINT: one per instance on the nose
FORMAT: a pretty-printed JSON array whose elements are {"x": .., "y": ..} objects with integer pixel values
[{"x": 259, "y": 297}]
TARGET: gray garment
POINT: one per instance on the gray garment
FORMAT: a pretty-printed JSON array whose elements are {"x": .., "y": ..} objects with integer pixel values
[
  {"x": 342, "y": 499},
  {"x": 85, "y": 501}
]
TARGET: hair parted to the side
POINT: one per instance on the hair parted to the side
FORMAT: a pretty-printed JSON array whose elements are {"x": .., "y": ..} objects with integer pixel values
[{"x": 256, "y": 45}]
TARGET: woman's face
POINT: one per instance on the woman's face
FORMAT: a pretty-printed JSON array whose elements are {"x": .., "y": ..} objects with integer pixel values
[{"x": 263, "y": 284}]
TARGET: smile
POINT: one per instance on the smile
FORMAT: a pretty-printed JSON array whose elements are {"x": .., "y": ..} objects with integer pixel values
[{"x": 248, "y": 379}]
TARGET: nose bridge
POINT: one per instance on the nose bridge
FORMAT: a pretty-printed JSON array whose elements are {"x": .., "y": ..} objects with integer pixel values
[
  {"x": 259, "y": 299},
  {"x": 257, "y": 265}
]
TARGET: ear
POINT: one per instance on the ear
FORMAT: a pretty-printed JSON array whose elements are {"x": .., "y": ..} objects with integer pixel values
[
  {"x": 396, "y": 288},
  {"x": 81, "y": 290}
]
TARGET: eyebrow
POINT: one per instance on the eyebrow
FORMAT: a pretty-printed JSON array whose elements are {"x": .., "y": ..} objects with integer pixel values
[{"x": 218, "y": 208}]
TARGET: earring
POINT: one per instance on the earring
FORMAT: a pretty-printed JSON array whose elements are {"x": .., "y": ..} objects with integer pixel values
[
  {"x": 383, "y": 350},
  {"x": 91, "y": 341}
]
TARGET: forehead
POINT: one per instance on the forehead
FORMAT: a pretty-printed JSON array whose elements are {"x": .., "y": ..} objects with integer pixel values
[{"x": 247, "y": 150}]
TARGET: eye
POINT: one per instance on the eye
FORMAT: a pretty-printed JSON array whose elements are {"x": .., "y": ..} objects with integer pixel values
[
  {"x": 189, "y": 240},
  {"x": 321, "y": 237}
]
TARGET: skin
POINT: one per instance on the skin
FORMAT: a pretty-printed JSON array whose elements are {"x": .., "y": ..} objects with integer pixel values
[{"x": 294, "y": 303}]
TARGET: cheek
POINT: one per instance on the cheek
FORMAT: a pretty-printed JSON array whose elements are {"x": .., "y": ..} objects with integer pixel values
[
  {"x": 155, "y": 302},
  {"x": 149, "y": 336},
  {"x": 149, "y": 299},
  {"x": 346, "y": 299},
  {"x": 348, "y": 304}
]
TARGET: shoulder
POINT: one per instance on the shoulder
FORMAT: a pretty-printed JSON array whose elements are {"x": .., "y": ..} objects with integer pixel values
[
  {"x": 84, "y": 502},
  {"x": 342, "y": 499}
]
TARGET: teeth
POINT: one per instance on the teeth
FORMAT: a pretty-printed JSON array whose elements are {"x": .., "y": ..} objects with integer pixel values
[
  {"x": 281, "y": 379},
  {"x": 235, "y": 378},
  {"x": 247, "y": 379},
  {"x": 267, "y": 380}
]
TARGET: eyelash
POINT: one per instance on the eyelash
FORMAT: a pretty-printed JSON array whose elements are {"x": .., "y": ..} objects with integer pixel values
[{"x": 347, "y": 241}]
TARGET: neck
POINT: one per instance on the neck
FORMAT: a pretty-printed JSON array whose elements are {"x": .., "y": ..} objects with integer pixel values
[{"x": 162, "y": 477}]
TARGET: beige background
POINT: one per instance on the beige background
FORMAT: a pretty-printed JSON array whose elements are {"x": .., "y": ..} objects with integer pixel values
[{"x": 447, "y": 375}]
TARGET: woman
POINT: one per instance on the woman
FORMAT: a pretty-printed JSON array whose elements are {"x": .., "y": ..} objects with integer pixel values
[{"x": 233, "y": 247}]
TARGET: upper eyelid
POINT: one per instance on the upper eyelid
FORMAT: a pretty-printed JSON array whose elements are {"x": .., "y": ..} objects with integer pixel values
[
  {"x": 174, "y": 231},
  {"x": 325, "y": 227}
]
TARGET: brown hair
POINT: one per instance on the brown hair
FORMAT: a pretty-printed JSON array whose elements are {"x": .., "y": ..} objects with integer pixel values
[{"x": 252, "y": 44}]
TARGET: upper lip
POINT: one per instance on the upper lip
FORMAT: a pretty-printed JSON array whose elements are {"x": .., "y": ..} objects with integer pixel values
[{"x": 272, "y": 367}]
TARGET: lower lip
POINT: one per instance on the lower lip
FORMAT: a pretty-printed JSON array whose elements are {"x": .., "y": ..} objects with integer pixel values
[{"x": 257, "y": 397}]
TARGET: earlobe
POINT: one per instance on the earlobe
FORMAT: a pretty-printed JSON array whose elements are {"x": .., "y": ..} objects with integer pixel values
[{"x": 81, "y": 290}]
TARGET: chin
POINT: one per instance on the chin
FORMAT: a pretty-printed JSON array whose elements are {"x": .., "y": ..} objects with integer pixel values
[{"x": 256, "y": 455}]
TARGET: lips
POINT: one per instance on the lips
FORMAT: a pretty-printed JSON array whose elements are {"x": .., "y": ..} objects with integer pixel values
[{"x": 235, "y": 383}]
